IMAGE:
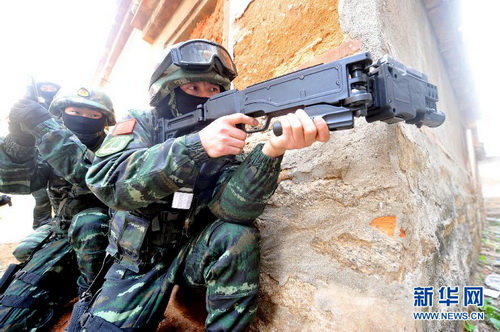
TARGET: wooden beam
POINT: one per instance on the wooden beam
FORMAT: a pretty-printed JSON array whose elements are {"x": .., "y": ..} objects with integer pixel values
[
  {"x": 226, "y": 30},
  {"x": 158, "y": 17},
  {"x": 188, "y": 14},
  {"x": 142, "y": 13},
  {"x": 115, "y": 43}
]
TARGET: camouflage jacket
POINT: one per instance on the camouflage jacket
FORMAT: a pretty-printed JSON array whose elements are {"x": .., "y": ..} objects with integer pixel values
[
  {"x": 133, "y": 172},
  {"x": 58, "y": 161}
]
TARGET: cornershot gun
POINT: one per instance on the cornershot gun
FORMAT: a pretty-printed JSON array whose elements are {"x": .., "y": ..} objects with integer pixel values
[{"x": 338, "y": 91}]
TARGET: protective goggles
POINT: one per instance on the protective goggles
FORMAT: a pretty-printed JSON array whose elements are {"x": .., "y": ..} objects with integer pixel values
[{"x": 198, "y": 55}]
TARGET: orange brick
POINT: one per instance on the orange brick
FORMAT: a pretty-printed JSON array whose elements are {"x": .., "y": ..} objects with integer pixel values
[
  {"x": 343, "y": 50},
  {"x": 386, "y": 224}
]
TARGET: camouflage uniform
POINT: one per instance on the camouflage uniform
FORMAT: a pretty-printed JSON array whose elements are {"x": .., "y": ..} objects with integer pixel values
[
  {"x": 42, "y": 212},
  {"x": 213, "y": 244},
  {"x": 70, "y": 249}
]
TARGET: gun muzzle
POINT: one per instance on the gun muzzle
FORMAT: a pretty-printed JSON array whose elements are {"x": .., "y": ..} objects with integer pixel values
[
  {"x": 432, "y": 118},
  {"x": 402, "y": 93}
]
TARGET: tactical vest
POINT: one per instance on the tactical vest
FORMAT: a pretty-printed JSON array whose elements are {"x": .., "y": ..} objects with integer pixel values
[
  {"x": 141, "y": 237},
  {"x": 68, "y": 200}
]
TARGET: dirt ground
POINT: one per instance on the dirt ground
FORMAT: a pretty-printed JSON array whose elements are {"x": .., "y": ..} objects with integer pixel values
[
  {"x": 6, "y": 257},
  {"x": 488, "y": 262}
]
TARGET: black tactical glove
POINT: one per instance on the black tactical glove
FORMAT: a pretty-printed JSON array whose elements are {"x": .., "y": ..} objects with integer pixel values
[
  {"x": 4, "y": 199},
  {"x": 28, "y": 114},
  {"x": 19, "y": 136}
]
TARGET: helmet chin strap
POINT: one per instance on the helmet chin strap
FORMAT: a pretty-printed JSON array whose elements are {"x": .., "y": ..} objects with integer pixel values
[{"x": 165, "y": 109}]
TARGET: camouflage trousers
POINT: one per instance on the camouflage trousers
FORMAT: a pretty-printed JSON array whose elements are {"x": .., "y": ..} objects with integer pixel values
[
  {"x": 51, "y": 276},
  {"x": 25, "y": 248},
  {"x": 40, "y": 288},
  {"x": 42, "y": 212},
  {"x": 224, "y": 259}
]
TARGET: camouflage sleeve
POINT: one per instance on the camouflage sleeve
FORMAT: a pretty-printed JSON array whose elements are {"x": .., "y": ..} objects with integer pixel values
[
  {"x": 142, "y": 173},
  {"x": 19, "y": 169},
  {"x": 242, "y": 194},
  {"x": 63, "y": 151}
]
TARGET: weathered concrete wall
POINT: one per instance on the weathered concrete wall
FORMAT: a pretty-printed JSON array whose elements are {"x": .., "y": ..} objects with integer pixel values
[{"x": 358, "y": 222}]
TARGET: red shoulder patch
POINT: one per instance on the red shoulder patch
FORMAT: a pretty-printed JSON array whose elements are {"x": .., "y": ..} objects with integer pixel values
[{"x": 124, "y": 127}]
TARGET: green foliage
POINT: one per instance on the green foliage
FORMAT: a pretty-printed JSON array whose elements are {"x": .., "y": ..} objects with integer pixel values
[
  {"x": 482, "y": 258},
  {"x": 491, "y": 313},
  {"x": 469, "y": 327}
]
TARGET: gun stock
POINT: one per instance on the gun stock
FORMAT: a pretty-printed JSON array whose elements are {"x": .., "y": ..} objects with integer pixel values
[{"x": 338, "y": 91}]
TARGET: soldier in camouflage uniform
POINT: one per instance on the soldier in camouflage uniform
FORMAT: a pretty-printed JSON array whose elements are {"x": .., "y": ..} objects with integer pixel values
[
  {"x": 67, "y": 253},
  {"x": 42, "y": 212},
  {"x": 185, "y": 205}
]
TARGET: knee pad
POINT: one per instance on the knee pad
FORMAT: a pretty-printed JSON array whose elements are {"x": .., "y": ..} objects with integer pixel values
[
  {"x": 89, "y": 221},
  {"x": 228, "y": 234},
  {"x": 26, "y": 247}
]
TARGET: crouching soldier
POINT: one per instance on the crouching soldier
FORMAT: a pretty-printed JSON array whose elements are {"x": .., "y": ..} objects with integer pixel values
[
  {"x": 186, "y": 205},
  {"x": 42, "y": 212},
  {"x": 40, "y": 152}
]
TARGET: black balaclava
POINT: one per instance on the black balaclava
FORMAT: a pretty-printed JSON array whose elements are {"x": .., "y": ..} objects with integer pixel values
[
  {"x": 47, "y": 96},
  {"x": 178, "y": 102},
  {"x": 89, "y": 131}
]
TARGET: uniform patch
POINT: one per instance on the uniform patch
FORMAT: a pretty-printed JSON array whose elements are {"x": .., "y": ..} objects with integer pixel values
[
  {"x": 113, "y": 145},
  {"x": 82, "y": 92},
  {"x": 124, "y": 127}
]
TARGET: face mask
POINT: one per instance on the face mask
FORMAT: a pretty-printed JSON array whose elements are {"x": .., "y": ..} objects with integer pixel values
[
  {"x": 187, "y": 103},
  {"x": 47, "y": 91},
  {"x": 92, "y": 141},
  {"x": 178, "y": 103},
  {"x": 83, "y": 125},
  {"x": 89, "y": 131},
  {"x": 164, "y": 109}
]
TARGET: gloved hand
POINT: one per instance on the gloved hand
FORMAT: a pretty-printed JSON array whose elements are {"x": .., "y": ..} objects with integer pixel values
[
  {"x": 19, "y": 136},
  {"x": 28, "y": 114},
  {"x": 4, "y": 199}
]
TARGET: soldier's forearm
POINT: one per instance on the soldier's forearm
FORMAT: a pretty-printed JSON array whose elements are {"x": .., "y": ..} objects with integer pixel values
[
  {"x": 245, "y": 195},
  {"x": 138, "y": 177}
]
